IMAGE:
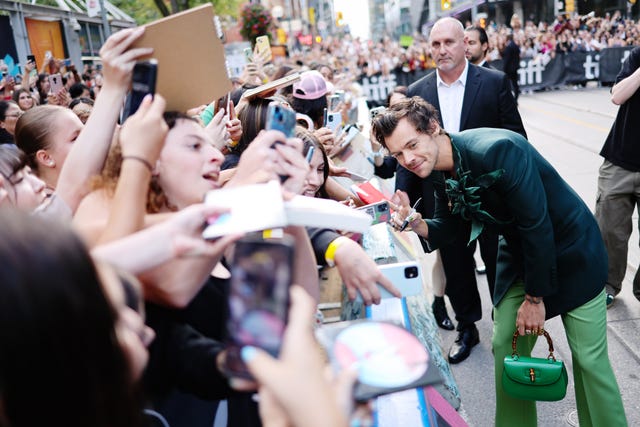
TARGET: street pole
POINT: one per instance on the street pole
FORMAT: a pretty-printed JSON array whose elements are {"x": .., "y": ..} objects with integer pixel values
[{"x": 105, "y": 22}]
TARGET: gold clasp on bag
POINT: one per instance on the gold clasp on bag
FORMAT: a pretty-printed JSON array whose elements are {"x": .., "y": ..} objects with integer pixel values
[{"x": 532, "y": 375}]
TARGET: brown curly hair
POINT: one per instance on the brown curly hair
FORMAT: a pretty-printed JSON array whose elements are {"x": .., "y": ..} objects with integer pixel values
[{"x": 157, "y": 200}]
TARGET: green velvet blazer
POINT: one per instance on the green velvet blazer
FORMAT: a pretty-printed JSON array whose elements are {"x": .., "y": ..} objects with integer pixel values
[{"x": 549, "y": 237}]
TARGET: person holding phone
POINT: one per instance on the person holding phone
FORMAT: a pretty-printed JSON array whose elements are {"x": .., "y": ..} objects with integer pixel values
[
  {"x": 358, "y": 271},
  {"x": 293, "y": 389},
  {"x": 85, "y": 373},
  {"x": 51, "y": 136},
  {"x": 10, "y": 112}
]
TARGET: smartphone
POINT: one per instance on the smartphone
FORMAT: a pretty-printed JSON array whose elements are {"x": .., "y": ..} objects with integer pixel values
[
  {"x": 333, "y": 101},
  {"x": 67, "y": 62},
  {"x": 223, "y": 103},
  {"x": 143, "y": 82},
  {"x": 379, "y": 211},
  {"x": 31, "y": 58},
  {"x": 248, "y": 54},
  {"x": 333, "y": 120},
  {"x": 281, "y": 118},
  {"x": 375, "y": 111},
  {"x": 405, "y": 276},
  {"x": 387, "y": 357},
  {"x": 261, "y": 275},
  {"x": 263, "y": 45},
  {"x": 55, "y": 81},
  {"x": 356, "y": 177},
  {"x": 351, "y": 132}
]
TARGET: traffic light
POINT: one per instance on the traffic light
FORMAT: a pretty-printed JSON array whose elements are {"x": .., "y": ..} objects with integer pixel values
[
  {"x": 445, "y": 4},
  {"x": 339, "y": 19}
]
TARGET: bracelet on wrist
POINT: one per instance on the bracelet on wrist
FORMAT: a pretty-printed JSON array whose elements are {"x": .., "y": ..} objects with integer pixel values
[
  {"x": 330, "y": 253},
  {"x": 533, "y": 300},
  {"x": 141, "y": 160}
]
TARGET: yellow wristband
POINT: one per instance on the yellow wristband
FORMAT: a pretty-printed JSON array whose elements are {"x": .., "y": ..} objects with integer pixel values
[{"x": 330, "y": 253}]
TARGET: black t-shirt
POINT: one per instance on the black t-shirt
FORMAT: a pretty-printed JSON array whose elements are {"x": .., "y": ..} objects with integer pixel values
[{"x": 621, "y": 147}]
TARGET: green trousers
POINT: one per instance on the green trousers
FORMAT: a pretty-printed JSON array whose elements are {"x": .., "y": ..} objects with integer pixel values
[{"x": 597, "y": 394}]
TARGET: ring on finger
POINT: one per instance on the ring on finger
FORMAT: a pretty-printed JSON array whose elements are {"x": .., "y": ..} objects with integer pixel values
[{"x": 527, "y": 331}]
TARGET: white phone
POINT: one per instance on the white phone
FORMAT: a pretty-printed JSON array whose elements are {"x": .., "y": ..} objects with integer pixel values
[
  {"x": 405, "y": 276},
  {"x": 333, "y": 121}
]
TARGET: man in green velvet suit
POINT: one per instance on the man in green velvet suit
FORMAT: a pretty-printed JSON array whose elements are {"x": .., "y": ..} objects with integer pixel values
[{"x": 551, "y": 260}]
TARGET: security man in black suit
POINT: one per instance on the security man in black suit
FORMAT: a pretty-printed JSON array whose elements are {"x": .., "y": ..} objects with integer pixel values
[
  {"x": 467, "y": 97},
  {"x": 477, "y": 46}
]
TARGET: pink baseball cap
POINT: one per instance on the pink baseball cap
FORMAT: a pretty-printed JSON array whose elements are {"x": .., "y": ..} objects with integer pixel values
[{"x": 310, "y": 86}]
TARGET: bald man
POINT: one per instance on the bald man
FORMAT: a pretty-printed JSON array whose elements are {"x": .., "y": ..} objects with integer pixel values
[{"x": 467, "y": 97}]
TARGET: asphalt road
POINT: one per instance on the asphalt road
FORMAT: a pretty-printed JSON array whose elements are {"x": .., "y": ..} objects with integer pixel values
[{"x": 568, "y": 127}]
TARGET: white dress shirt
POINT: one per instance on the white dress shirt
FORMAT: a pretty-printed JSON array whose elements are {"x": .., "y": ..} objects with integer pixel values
[{"x": 450, "y": 98}]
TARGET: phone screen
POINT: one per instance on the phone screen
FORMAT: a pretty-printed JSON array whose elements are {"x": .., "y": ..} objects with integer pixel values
[{"x": 261, "y": 275}]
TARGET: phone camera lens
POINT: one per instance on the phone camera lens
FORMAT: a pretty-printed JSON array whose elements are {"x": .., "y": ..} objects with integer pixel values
[{"x": 411, "y": 272}]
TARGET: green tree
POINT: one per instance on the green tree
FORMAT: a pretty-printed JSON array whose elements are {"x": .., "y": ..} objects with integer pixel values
[{"x": 144, "y": 11}]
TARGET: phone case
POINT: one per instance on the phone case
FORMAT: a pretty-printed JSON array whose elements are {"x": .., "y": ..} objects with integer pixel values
[
  {"x": 264, "y": 45},
  {"x": 281, "y": 118},
  {"x": 56, "y": 83},
  {"x": 143, "y": 82},
  {"x": 379, "y": 211},
  {"x": 405, "y": 276},
  {"x": 333, "y": 121},
  {"x": 388, "y": 358}
]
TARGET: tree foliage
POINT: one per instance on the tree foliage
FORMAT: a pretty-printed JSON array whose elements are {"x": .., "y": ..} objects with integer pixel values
[{"x": 144, "y": 11}]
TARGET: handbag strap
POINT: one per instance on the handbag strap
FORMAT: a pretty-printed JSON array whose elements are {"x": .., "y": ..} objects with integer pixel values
[{"x": 514, "y": 341}]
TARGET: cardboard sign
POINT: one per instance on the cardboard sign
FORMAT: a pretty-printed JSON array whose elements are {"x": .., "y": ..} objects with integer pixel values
[{"x": 191, "y": 61}]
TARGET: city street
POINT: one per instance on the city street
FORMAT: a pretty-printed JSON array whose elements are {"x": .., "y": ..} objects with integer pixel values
[{"x": 568, "y": 127}]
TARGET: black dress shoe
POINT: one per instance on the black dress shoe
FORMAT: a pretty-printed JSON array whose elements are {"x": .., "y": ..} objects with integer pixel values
[
  {"x": 440, "y": 314},
  {"x": 461, "y": 348}
]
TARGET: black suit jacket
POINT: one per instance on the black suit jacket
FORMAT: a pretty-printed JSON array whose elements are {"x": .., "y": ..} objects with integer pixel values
[
  {"x": 488, "y": 101},
  {"x": 511, "y": 58}
]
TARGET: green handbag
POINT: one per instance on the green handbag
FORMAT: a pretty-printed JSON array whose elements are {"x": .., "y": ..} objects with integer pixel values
[{"x": 534, "y": 378}]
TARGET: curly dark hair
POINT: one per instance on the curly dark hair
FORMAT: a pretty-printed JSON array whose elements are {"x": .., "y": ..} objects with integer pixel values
[{"x": 415, "y": 109}]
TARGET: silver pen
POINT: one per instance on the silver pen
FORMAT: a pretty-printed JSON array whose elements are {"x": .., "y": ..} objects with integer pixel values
[{"x": 406, "y": 221}]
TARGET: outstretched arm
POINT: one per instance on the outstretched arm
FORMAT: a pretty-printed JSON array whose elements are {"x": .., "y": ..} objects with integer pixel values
[{"x": 90, "y": 150}]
